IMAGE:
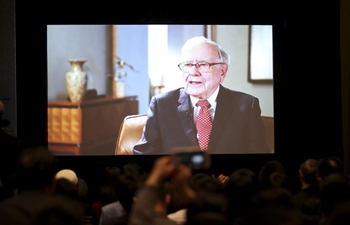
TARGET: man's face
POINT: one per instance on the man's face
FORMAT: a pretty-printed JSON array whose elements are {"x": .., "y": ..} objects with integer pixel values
[{"x": 198, "y": 83}]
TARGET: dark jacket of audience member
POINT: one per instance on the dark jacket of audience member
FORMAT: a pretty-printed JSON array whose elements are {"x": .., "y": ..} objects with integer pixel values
[
  {"x": 274, "y": 206},
  {"x": 240, "y": 189},
  {"x": 58, "y": 212},
  {"x": 340, "y": 214},
  {"x": 210, "y": 205},
  {"x": 130, "y": 180},
  {"x": 334, "y": 189},
  {"x": 106, "y": 190}
]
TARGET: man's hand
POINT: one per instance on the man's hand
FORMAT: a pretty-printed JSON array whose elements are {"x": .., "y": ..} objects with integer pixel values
[
  {"x": 163, "y": 168},
  {"x": 180, "y": 181},
  {"x": 222, "y": 178}
]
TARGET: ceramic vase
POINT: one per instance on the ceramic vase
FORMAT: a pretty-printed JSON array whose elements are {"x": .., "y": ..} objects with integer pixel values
[
  {"x": 120, "y": 89},
  {"x": 76, "y": 80}
]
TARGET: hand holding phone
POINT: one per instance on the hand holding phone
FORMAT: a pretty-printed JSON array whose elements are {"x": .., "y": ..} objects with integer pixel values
[{"x": 192, "y": 157}]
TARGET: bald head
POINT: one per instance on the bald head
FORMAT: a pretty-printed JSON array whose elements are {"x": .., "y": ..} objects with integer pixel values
[
  {"x": 308, "y": 170},
  {"x": 329, "y": 165}
]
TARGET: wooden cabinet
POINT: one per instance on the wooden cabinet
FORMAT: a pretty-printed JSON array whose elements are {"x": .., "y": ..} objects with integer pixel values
[{"x": 87, "y": 128}]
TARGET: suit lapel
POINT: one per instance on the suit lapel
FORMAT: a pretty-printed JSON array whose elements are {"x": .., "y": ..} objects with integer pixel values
[
  {"x": 222, "y": 114},
  {"x": 185, "y": 114}
]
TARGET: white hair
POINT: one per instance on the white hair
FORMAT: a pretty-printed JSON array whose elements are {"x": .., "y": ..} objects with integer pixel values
[{"x": 223, "y": 55}]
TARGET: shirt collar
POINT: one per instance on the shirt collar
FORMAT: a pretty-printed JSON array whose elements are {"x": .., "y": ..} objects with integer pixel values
[{"x": 211, "y": 99}]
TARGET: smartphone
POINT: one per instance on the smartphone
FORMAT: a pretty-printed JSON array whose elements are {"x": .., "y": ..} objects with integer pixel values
[{"x": 192, "y": 157}]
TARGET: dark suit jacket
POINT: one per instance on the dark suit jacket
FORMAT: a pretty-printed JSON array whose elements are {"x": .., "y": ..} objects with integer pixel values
[
  {"x": 237, "y": 125},
  {"x": 304, "y": 195},
  {"x": 28, "y": 205}
]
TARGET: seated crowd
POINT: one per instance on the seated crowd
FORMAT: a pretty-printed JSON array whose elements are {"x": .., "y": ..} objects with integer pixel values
[{"x": 172, "y": 193}]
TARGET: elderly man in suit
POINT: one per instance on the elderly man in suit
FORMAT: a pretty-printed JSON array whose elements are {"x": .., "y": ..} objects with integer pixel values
[{"x": 227, "y": 122}]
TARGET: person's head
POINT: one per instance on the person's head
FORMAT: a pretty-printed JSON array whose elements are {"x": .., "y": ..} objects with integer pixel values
[
  {"x": 334, "y": 189},
  {"x": 132, "y": 170},
  {"x": 308, "y": 172},
  {"x": 36, "y": 169},
  {"x": 107, "y": 194},
  {"x": 273, "y": 206},
  {"x": 204, "y": 65},
  {"x": 67, "y": 188},
  {"x": 195, "y": 177},
  {"x": 279, "y": 196},
  {"x": 241, "y": 183},
  {"x": 274, "y": 214},
  {"x": 206, "y": 183},
  {"x": 327, "y": 166},
  {"x": 208, "y": 209},
  {"x": 110, "y": 175},
  {"x": 77, "y": 184},
  {"x": 272, "y": 174},
  {"x": 240, "y": 189},
  {"x": 130, "y": 180}
]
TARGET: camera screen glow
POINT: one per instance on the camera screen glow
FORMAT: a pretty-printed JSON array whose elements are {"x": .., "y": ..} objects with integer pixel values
[{"x": 197, "y": 159}]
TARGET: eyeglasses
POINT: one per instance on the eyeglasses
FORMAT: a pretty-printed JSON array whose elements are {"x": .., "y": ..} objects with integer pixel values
[{"x": 201, "y": 66}]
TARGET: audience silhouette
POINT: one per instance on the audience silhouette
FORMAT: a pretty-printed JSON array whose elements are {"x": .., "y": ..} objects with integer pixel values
[
  {"x": 126, "y": 182},
  {"x": 112, "y": 207},
  {"x": 329, "y": 165},
  {"x": 334, "y": 189},
  {"x": 272, "y": 174},
  {"x": 36, "y": 170},
  {"x": 305, "y": 199},
  {"x": 240, "y": 189},
  {"x": 341, "y": 214},
  {"x": 173, "y": 194},
  {"x": 10, "y": 150}
]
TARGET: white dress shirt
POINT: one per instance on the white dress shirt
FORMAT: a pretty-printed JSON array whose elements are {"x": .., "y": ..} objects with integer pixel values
[{"x": 211, "y": 100}]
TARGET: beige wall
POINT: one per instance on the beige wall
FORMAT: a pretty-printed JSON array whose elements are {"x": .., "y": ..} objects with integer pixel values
[{"x": 235, "y": 40}]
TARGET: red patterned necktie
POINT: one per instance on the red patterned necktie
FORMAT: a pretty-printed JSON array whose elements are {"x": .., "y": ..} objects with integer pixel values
[{"x": 203, "y": 124}]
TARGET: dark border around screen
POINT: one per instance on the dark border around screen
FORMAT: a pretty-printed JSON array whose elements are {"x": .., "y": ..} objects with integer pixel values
[{"x": 301, "y": 108}]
